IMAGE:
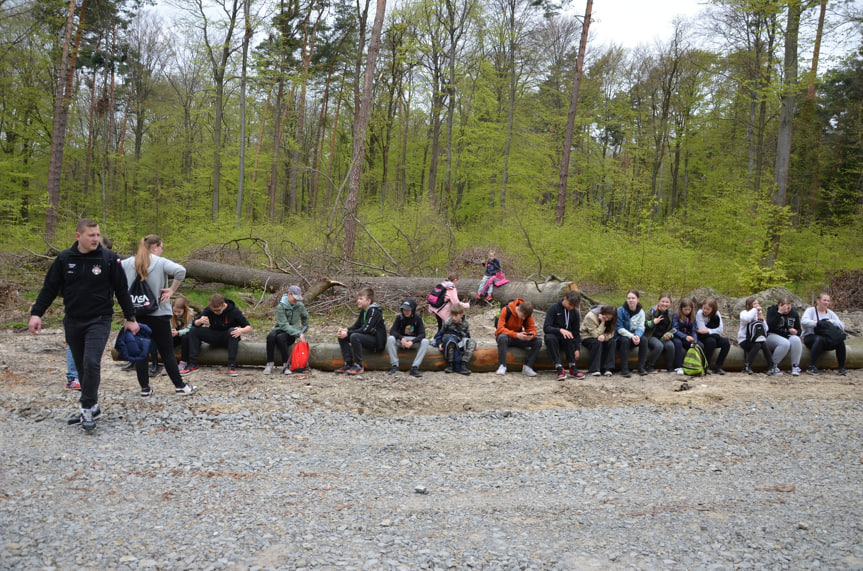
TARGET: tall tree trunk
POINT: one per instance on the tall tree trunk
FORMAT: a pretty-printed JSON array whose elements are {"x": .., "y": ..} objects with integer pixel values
[
  {"x": 241, "y": 182},
  {"x": 360, "y": 128},
  {"x": 570, "y": 118},
  {"x": 786, "y": 113},
  {"x": 58, "y": 134},
  {"x": 277, "y": 143},
  {"x": 510, "y": 119}
]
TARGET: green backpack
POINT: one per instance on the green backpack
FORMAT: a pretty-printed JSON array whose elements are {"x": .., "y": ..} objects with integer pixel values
[{"x": 695, "y": 363}]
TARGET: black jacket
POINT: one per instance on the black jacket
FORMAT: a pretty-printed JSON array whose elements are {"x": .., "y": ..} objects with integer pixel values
[
  {"x": 780, "y": 324},
  {"x": 371, "y": 322},
  {"x": 88, "y": 282},
  {"x": 555, "y": 320},
  {"x": 412, "y": 326},
  {"x": 230, "y": 318}
]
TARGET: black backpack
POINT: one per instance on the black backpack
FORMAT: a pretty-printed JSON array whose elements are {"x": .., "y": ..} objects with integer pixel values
[
  {"x": 756, "y": 332},
  {"x": 437, "y": 298}
]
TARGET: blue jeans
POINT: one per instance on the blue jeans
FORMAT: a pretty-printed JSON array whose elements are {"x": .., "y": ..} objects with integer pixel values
[{"x": 71, "y": 370}]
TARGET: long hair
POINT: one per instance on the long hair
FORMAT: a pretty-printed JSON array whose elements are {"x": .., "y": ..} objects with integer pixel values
[
  {"x": 142, "y": 258},
  {"x": 182, "y": 303},
  {"x": 686, "y": 302},
  {"x": 611, "y": 312}
]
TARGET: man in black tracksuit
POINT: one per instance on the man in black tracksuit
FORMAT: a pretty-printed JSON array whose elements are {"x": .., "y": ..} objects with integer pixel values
[{"x": 89, "y": 277}]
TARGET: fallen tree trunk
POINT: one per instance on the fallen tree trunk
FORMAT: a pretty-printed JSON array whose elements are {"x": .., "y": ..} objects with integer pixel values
[
  {"x": 327, "y": 357},
  {"x": 541, "y": 295}
]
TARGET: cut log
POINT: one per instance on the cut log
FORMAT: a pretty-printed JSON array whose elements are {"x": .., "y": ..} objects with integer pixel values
[
  {"x": 541, "y": 295},
  {"x": 327, "y": 357}
]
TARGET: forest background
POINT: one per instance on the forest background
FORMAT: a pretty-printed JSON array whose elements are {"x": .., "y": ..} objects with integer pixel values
[{"x": 721, "y": 156}]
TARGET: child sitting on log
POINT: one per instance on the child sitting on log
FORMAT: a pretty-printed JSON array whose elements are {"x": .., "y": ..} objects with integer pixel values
[
  {"x": 292, "y": 320},
  {"x": 453, "y": 340},
  {"x": 368, "y": 331}
]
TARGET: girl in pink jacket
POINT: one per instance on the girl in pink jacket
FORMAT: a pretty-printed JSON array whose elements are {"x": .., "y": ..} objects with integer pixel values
[{"x": 442, "y": 313}]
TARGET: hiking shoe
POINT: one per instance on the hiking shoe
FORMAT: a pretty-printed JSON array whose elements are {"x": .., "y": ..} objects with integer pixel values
[
  {"x": 625, "y": 374},
  {"x": 356, "y": 370},
  {"x": 393, "y": 370},
  {"x": 343, "y": 369},
  {"x": 528, "y": 371},
  {"x": 795, "y": 370},
  {"x": 842, "y": 372},
  {"x": 232, "y": 370},
  {"x": 718, "y": 371},
  {"x": 73, "y": 384},
  {"x": 813, "y": 370},
  {"x": 268, "y": 368},
  {"x": 746, "y": 369},
  {"x": 189, "y": 370},
  {"x": 88, "y": 423},
  {"x": 414, "y": 372},
  {"x": 501, "y": 370},
  {"x": 678, "y": 371},
  {"x": 607, "y": 373},
  {"x": 147, "y": 391},
  {"x": 186, "y": 389},
  {"x": 561, "y": 374},
  {"x": 463, "y": 370},
  {"x": 574, "y": 372}
]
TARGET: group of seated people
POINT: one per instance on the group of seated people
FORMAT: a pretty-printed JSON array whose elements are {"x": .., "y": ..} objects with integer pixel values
[{"x": 605, "y": 331}]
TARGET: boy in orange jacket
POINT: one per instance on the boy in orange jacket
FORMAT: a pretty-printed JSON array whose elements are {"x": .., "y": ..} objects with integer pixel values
[{"x": 516, "y": 328}]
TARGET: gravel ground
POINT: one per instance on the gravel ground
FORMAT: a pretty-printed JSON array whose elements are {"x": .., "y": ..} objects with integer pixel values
[{"x": 739, "y": 486}]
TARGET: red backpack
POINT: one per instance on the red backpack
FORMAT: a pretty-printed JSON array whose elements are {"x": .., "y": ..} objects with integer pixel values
[{"x": 299, "y": 357}]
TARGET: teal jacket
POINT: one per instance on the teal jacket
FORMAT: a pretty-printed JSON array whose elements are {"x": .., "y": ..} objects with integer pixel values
[{"x": 291, "y": 319}]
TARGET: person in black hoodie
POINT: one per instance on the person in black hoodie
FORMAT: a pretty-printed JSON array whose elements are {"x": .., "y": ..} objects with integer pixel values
[
  {"x": 89, "y": 276},
  {"x": 221, "y": 324},
  {"x": 783, "y": 334},
  {"x": 368, "y": 331},
  {"x": 407, "y": 333},
  {"x": 562, "y": 322}
]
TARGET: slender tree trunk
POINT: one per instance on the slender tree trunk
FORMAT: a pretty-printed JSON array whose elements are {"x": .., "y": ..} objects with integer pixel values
[
  {"x": 570, "y": 118},
  {"x": 242, "y": 175},
  {"x": 360, "y": 128},
  {"x": 277, "y": 143},
  {"x": 786, "y": 114},
  {"x": 58, "y": 135}
]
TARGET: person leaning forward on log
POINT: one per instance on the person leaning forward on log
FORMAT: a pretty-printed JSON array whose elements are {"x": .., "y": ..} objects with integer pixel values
[
  {"x": 368, "y": 331},
  {"x": 516, "y": 328},
  {"x": 292, "y": 321},
  {"x": 562, "y": 322},
  {"x": 221, "y": 324}
]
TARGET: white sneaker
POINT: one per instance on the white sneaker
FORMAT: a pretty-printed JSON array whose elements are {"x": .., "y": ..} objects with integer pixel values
[
  {"x": 679, "y": 370},
  {"x": 595, "y": 374},
  {"x": 268, "y": 369},
  {"x": 795, "y": 371},
  {"x": 774, "y": 371},
  {"x": 527, "y": 371},
  {"x": 286, "y": 370},
  {"x": 501, "y": 370},
  {"x": 607, "y": 373}
]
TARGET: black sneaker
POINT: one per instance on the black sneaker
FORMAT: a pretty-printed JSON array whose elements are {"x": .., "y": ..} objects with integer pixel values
[
  {"x": 625, "y": 374},
  {"x": 95, "y": 411},
  {"x": 718, "y": 371},
  {"x": 448, "y": 369},
  {"x": 356, "y": 369},
  {"x": 414, "y": 372},
  {"x": 128, "y": 366},
  {"x": 813, "y": 370},
  {"x": 747, "y": 369},
  {"x": 186, "y": 389},
  {"x": 464, "y": 370},
  {"x": 88, "y": 418},
  {"x": 154, "y": 370},
  {"x": 343, "y": 369},
  {"x": 842, "y": 371},
  {"x": 147, "y": 391},
  {"x": 642, "y": 372},
  {"x": 394, "y": 369}
]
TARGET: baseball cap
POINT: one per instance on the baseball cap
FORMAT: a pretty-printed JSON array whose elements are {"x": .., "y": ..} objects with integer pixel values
[{"x": 296, "y": 292}]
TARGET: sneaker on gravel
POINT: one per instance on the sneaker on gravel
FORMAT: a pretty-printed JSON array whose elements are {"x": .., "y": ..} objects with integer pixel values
[
  {"x": 181, "y": 365},
  {"x": 393, "y": 370},
  {"x": 501, "y": 370},
  {"x": 356, "y": 370},
  {"x": 718, "y": 371},
  {"x": 608, "y": 373},
  {"x": 154, "y": 370},
  {"x": 268, "y": 368},
  {"x": 415, "y": 372},
  {"x": 464, "y": 370},
  {"x": 88, "y": 423},
  {"x": 561, "y": 374},
  {"x": 625, "y": 374},
  {"x": 286, "y": 370},
  {"x": 232, "y": 370},
  {"x": 842, "y": 372},
  {"x": 147, "y": 391},
  {"x": 774, "y": 371},
  {"x": 73, "y": 384},
  {"x": 343, "y": 369},
  {"x": 813, "y": 370},
  {"x": 489, "y": 298},
  {"x": 746, "y": 369},
  {"x": 642, "y": 372},
  {"x": 528, "y": 371},
  {"x": 795, "y": 370},
  {"x": 189, "y": 370},
  {"x": 186, "y": 389},
  {"x": 128, "y": 366},
  {"x": 678, "y": 371},
  {"x": 595, "y": 374},
  {"x": 574, "y": 372},
  {"x": 95, "y": 411}
]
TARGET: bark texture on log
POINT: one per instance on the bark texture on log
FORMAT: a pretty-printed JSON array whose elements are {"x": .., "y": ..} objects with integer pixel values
[
  {"x": 327, "y": 357},
  {"x": 541, "y": 295}
]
